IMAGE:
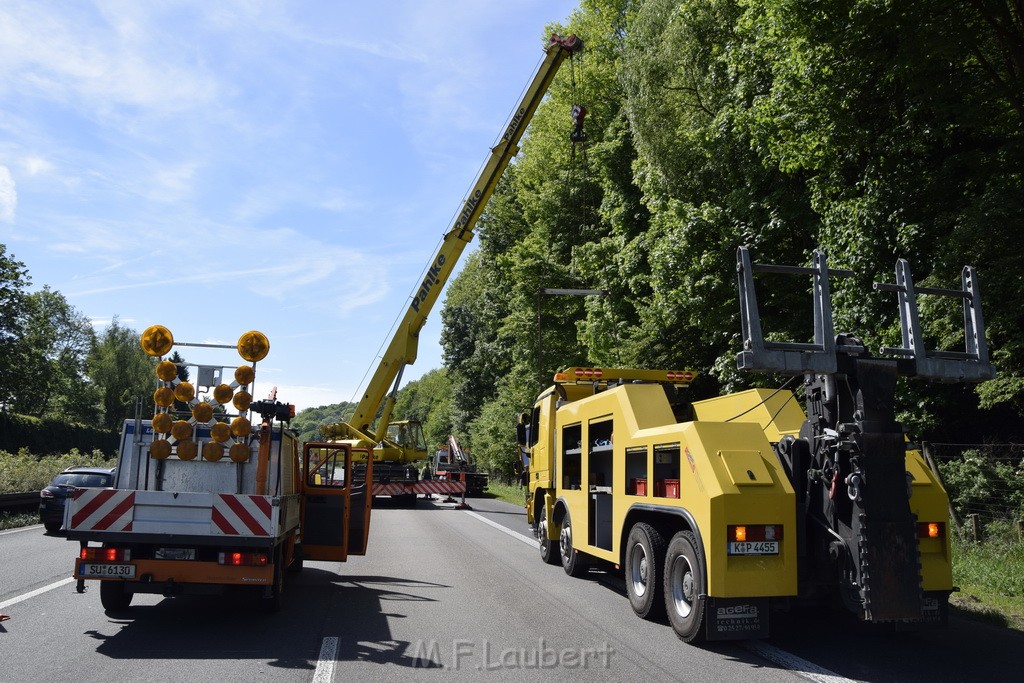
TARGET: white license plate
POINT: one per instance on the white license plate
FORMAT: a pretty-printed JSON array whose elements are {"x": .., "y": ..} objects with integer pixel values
[
  {"x": 754, "y": 548},
  {"x": 119, "y": 571}
]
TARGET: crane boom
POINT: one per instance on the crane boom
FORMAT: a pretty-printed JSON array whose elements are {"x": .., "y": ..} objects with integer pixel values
[{"x": 404, "y": 344}]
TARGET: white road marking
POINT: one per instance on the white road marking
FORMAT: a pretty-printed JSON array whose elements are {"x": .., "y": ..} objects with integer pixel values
[
  {"x": 325, "y": 664},
  {"x": 21, "y": 528},
  {"x": 38, "y": 591},
  {"x": 797, "y": 665},
  {"x": 514, "y": 534}
]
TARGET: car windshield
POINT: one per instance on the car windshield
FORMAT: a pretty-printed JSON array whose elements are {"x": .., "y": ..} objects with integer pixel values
[{"x": 82, "y": 479}]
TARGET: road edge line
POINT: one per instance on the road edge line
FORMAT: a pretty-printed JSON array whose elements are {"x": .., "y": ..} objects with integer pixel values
[
  {"x": 797, "y": 665},
  {"x": 20, "y": 528},
  {"x": 38, "y": 591},
  {"x": 514, "y": 534}
]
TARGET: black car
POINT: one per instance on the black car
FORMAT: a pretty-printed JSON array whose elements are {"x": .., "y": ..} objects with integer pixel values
[{"x": 54, "y": 497}]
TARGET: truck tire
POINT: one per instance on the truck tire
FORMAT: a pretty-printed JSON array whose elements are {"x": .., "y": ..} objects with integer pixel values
[
  {"x": 114, "y": 597},
  {"x": 273, "y": 600},
  {"x": 645, "y": 558},
  {"x": 573, "y": 563},
  {"x": 52, "y": 527},
  {"x": 548, "y": 548},
  {"x": 685, "y": 583},
  {"x": 297, "y": 562}
]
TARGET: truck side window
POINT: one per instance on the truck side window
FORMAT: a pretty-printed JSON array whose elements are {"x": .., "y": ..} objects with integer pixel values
[
  {"x": 327, "y": 468},
  {"x": 534, "y": 426}
]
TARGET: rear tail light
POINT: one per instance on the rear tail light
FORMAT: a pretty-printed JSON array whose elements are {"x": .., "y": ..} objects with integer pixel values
[
  {"x": 931, "y": 530},
  {"x": 243, "y": 559},
  {"x": 106, "y": 554},
  {"x": 755, "y": 532}
]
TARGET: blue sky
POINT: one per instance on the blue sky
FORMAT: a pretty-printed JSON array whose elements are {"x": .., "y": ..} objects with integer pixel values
[{"x": 217, "y": 167}]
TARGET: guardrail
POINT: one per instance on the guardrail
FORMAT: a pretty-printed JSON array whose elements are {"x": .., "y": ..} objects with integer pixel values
[{"x": 14, "y": 502}]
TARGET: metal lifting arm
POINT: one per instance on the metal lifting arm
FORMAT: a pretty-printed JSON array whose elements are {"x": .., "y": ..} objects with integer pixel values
[{"x": 403, "y": 347}]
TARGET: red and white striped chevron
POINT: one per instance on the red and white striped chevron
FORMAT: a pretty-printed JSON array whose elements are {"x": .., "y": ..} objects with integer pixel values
[
  {"x": 388, "y": 489},
  {"x": 437, "y": 486},
  {"x": 428, "y": 486},
  {"x": 241, "y": 515},
  {"x": 102, "y": 509}
]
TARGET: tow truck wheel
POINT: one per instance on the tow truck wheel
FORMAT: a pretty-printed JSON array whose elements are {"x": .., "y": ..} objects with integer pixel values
[
  {"x": 645, "y": 557},
  {"x": 114, "y": 597},
  {"x": 572, "y": 562},
  {"x": 684, "y": 584},
  {"x": 548, "y": 548}
]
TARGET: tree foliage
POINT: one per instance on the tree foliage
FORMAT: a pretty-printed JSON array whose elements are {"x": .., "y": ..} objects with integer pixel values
[
  {"x": 51, "y": 356},
  {"x": 307, "y": 422},
  {"x": 14, "y": 279},
  {"x": 124, "y": 372},
  {"x": 870, "y": 129}
]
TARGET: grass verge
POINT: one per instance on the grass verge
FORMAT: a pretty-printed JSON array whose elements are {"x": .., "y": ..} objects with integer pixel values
[
  {"x": 991, "y": 580},
  {"x": 13, "y": 520},
  {"x": 510, "y": 493}
]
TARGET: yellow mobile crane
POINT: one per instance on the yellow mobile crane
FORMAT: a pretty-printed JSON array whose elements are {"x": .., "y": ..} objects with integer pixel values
[{"x": 397, "y": 445}]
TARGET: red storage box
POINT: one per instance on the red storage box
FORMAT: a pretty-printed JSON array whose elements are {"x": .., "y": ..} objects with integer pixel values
[
  {"x": 638, "y": 487},
  {"x": 666, "y": 488}
]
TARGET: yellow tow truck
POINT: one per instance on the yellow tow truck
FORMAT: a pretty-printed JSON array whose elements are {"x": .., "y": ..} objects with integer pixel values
[{"x": 716, "y": 509}]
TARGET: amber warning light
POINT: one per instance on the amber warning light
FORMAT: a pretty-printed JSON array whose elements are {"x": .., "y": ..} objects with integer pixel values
[{"x": 755, "y": 532}]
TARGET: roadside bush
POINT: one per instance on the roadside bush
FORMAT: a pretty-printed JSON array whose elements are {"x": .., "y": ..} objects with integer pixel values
[
  {"x": 23, "y": 471},
  {"x": 986, "y": 485}
]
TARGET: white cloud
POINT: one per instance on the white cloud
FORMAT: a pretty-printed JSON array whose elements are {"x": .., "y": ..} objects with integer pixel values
[
  {"x": 129, "y": 61},
  {"x": 173, "y": 182},
  {"x": 34, "y": 165},
  {"x": 8, "y": 195}
]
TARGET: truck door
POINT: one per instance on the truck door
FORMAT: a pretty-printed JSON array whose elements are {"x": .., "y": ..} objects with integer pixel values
[{"x": 335, "y": 508}]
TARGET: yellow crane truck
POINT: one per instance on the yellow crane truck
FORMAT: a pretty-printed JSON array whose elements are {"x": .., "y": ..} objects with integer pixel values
[
  {"x": 204, "y": 500},
  {"x": 716, "y": 509},
  {"x": 396, "y": 446}
]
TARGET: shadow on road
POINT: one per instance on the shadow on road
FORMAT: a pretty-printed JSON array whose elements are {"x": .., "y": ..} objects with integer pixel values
[{"x": 317, "y": 602}]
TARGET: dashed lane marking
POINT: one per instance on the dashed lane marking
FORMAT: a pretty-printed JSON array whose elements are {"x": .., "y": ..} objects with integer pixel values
[{"x": 324, "y": 672}]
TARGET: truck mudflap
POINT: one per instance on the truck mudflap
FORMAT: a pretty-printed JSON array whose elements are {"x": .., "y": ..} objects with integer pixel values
[
  {"x": 429, "y": 486},
  {"x": 736, "y": 618}
]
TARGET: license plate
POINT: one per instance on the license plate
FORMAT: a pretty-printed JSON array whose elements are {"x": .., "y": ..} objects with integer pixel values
[
  {"x": 118, "y": 571},
  {"x": 754, "y": 548}
]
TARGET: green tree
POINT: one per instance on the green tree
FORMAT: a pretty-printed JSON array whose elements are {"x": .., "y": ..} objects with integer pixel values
[
  {"x": 429, "y": 400},
  {"x": 870, "y": 129},
  {"x": 123, "y": 372},
  {"x": 52, "y": 353},
  {"x": 14, "y": 279},
  {"x": 307, "y": 422}
]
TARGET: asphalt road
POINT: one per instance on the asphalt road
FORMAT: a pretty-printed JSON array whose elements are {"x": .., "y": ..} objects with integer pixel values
[{"x": 443, "y": 594}]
